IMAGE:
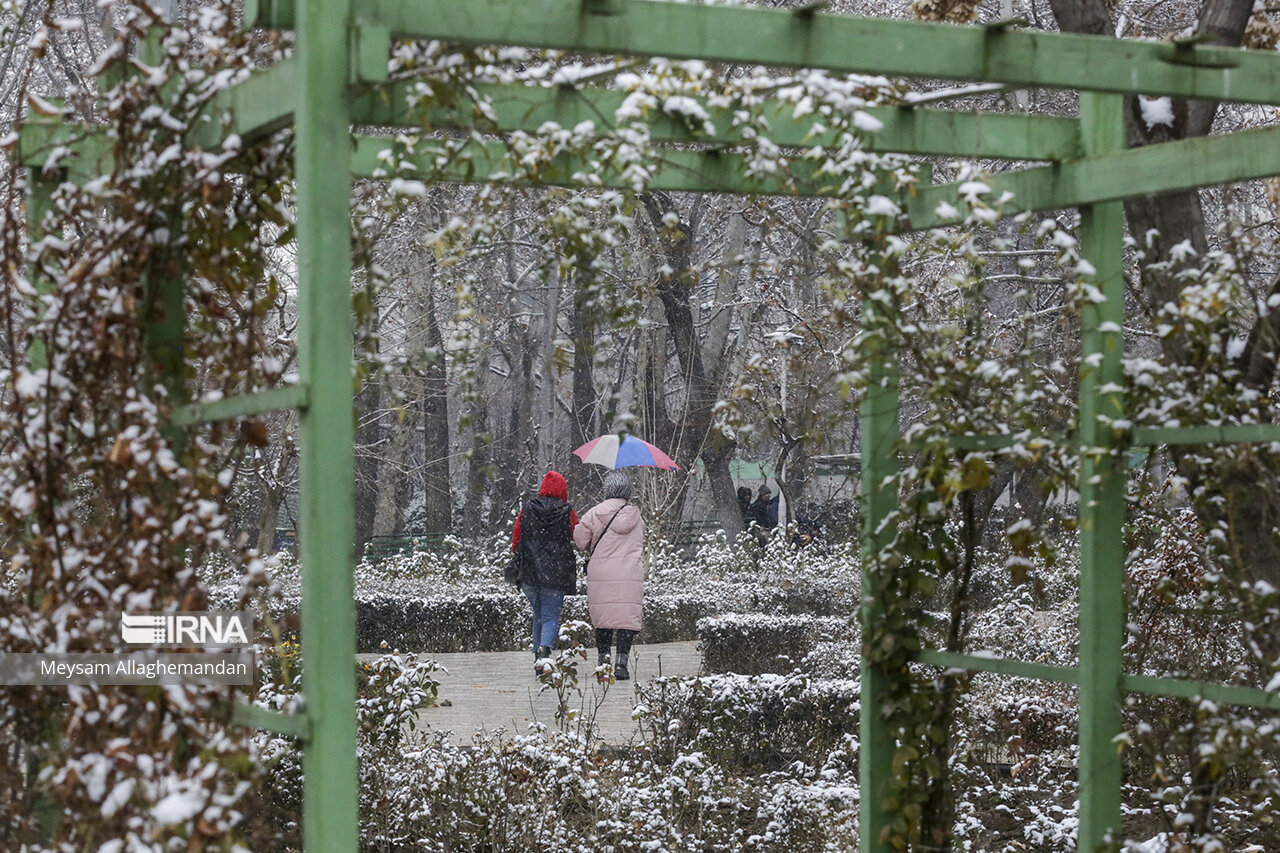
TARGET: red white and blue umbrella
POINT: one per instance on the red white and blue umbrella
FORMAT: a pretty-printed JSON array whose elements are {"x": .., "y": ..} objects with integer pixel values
[{"x": 614, "y": 451}]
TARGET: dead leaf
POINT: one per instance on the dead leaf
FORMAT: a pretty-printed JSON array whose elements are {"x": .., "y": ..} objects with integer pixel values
[
  {"x": 120, "y": 454},
  {"x": 255, "y": 433}
]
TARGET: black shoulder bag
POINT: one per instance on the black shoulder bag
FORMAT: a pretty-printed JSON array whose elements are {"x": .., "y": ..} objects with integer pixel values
[
  {"x": 596, "y": 543},
  {"x": 514, "y": 572}
]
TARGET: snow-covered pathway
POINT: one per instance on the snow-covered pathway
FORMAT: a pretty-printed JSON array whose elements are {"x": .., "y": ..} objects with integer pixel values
[{"x": 498, "y": 690}]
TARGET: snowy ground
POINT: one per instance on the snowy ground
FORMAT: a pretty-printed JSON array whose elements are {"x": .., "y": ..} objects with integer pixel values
[{"x": 492, "y": 690}]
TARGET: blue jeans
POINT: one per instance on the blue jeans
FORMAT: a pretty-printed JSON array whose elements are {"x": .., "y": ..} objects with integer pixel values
[{"x": 546, "y": 604}]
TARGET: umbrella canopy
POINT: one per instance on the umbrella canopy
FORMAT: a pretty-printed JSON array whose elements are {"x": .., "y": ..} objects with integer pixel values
[{"x": 613, "y": 451}]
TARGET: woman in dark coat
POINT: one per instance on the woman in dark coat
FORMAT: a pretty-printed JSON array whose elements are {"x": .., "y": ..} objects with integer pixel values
[{"x": 543, "y": 542}]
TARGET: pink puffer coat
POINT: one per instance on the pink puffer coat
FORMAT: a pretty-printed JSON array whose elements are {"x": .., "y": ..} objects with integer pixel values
[{"x": 615, "y": 575}]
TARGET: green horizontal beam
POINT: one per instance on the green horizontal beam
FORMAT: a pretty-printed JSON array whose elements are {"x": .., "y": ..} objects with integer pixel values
[
  {"x": 677, "y": 171},
  {"x": 255, "y": 107},
  {"x": 258, "y": 106},
  {"x": 1149, "y": 685},
  {"x": 276, "y": 399},
  {"x": 290, "y": 725},
  {"x": 844, "y": 43},
  {"x": 1109, "y": 177},
  {"x": 93, "y": 153},
  {"x": 994, "y": 441},
  {"x": 1000, "y": 666},
  {"x": 1221, "y": 693},
  {"x": 1231, "y": 434},
  {"x": 906, "y": 130},
  {"x": 1152, "y": 169},
  {"x": 270, "y": 14}
]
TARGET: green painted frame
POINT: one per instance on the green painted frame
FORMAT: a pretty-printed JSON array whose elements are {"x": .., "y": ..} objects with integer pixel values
[{"x": 337, "y": 79}]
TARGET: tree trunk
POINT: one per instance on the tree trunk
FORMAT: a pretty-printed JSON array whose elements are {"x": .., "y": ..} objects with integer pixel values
[
  {"x": 435, "y": 428},
  {"x": 388, "y": 514},
  {"x": 480, "y": 461},
  {"x": 546, "y": 413},
  {"x": 275, "y": 486},
  {"x": 267, "y": 521},
  {"x": 583, "y": 425},
  {"x": 704, "y": 439},
  {"x": 514, "y": 450},
  {"x": 368, "y": 436}
]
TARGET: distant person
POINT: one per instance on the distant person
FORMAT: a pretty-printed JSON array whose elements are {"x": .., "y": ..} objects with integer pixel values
[
  {"x": 612, "y": 532},
  {"x": 763, "y": 513},
  {"x": 543, "y": 539},
  {"x": 744, "y": 504},
  {"x": 770, "y": 507}
]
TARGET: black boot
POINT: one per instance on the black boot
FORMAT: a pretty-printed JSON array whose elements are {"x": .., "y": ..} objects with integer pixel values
[
  {"x": 541, "y": 660},
  {"x": 620, "y": 671}
]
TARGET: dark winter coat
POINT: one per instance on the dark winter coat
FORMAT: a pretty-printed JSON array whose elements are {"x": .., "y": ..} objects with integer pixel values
[
  {"x": 545, "y": 546},
  {"x": 764, "y": 512}
]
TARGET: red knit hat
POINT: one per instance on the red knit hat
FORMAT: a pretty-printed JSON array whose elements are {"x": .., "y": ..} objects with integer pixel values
[{"x": 554, "y": 486}]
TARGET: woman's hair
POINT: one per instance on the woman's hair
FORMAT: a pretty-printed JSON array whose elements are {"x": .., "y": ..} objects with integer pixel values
[{"x": 617, "y": 485}]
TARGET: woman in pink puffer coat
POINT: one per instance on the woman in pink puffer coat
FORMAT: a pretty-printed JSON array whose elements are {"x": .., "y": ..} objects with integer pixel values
[{"x": 612, "y": 532}]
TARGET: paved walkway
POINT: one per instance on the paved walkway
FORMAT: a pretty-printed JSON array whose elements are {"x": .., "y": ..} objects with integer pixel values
[{"x": 494, "y": 690}]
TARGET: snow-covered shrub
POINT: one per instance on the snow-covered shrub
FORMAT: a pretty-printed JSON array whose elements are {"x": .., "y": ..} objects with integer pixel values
[
  {"x": 1029, "y": 807},
  {"x": 101, "y": 496},
  {"x": 390, "y": 692},
  {"x": 474, "y": 623},
  {"x": 553, "y": 789},
  {"x": 1024, "y": 721},
  {"x": 779, "y": 565},
  {"x": 839, "y": 659},
  {"x": 673, "y": 617},
  {"x": 759, "y": 720},
  {"x": 544, "y": 791},
  {"x": 454, "y": 599},
  {"x": 754, "y": 643},
  {"x": 1176, "y": 607}
]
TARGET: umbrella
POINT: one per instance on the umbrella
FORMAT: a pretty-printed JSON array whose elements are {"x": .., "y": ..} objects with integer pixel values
[{"x": 621, "y": 451}]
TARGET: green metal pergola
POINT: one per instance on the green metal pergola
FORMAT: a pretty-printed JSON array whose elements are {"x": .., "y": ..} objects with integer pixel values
[{"x": 338, "y": 79}]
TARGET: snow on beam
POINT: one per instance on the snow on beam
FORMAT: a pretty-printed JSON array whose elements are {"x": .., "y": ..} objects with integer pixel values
[
  {"x": 904, "y": 129},
  {"x": 258, "y": 106},
  {"x": 473, "y": 162},
  {"x": 844, "y": 43},
  {"x": 1150, "y": 170}
]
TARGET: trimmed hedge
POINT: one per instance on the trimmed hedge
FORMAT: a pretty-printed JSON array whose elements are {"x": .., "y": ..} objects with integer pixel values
[
  {"x": 499, "y": 620},
  {"x": 474, "y": 623},
  {"x": 755, "y": 643},
  {"x": 751, "y": 721},
  {"x": 494, "y": 622}
]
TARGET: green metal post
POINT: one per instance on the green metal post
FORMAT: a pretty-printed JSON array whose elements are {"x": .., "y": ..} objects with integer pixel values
[
  {"x": 879, "y": 430},
  {"x": 326, "y": 453},
  {"x": 1102, "y": 489},
  {"x": 163, "y": 311},
  {"x": 164, "y": 316},
  {"x": 164, "y": 326},
  {"x": 39, "y": 204}
]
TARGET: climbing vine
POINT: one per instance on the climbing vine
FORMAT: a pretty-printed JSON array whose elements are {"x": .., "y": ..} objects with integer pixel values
[
  {"x": 104, "y": 498},
  {"x": 104, "y": 505}
]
